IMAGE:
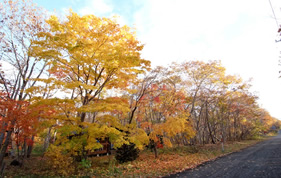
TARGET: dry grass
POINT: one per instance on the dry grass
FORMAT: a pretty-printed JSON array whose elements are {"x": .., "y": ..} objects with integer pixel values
[{"x": 170, "y": 160}]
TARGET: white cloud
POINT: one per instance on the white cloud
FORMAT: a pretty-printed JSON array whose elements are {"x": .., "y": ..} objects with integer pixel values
[
  {"x": 96, "y": 7},
  {"x": 239, "y": 33},
  {"x": 8, "y": 69},
  {"x": 187, "y": 29},
  {"x": 120, "y": 19},
  {"x": 102, "y": 8}
]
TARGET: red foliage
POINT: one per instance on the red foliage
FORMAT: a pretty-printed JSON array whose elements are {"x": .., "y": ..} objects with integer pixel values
[
  {"x": 19, "y": 117},
  {"x": 157, "y": 99},
  {"x": 159, "y": 145},
  {"x": 29, "y": 142},
  {"x": 154, "y": 86}
]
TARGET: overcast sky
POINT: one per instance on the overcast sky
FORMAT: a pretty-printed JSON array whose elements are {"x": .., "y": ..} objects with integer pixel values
[{"x": 240, "y": 33}]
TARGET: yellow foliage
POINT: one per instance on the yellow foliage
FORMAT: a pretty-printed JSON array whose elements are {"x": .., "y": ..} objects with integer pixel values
[
  {"x": 167, "y": 142},
  {"x": 172, "y": 127},
  {"x": 139, "y": 138},
  {"x": 153, "y": 136},
  {"x": 61, "y": 163}
]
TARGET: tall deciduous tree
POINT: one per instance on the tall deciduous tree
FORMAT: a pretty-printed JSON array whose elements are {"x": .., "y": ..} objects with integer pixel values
[
  {"x": 161, "y": 110},
  {"x": 89, "y": 58},
  {"x": 19, "y": 22}
]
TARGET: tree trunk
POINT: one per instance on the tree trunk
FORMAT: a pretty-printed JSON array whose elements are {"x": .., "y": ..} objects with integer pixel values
[
  {"x": 25, "y": 148},
  {"x": 3, "y": 131},
  {"x": 4, "y": 149},
  {"x": 155, "y": 149},
  {"x": 14, "y": 146},
  {"x": 30, "y": 147},
  {"x": 2, "y": 168},
  {"x": 208, "y": 124},
  {"x": 47, "y": 140},
  {"x": 83, "y": 116}
]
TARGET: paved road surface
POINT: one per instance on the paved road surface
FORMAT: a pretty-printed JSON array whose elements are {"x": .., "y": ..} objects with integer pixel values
[{"x": 261, "y": 160}]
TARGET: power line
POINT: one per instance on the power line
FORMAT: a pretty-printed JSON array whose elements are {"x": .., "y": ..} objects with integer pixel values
[{"x": 273, "y": 14}]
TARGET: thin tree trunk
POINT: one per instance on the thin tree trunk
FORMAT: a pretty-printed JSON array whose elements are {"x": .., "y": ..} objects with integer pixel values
[
  {"x": 2, "y": 169},
  {"x": 47, "y": 140},
  {"x": 208, "y": 124},
  {"x": 155, "y": 149},
  {"x": 83, "y": 116},
  {"x": 30, "y": 147},
  {"x": 4, "y": 148},
  {"x": 14, "y": 146},
  {"x": 25, "y": 148},
  {"x": 2, "y": 134}
]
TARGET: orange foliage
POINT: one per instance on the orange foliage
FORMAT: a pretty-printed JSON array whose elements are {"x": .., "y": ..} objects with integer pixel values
[{"x": 19, "y": 113}]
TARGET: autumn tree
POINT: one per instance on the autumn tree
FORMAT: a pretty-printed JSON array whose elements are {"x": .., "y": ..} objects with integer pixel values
[
  {"x": 90, "y": 59},
  {"x": 19, "y": 22},
  {"x": 221, "y": 106},
  {"x": 201, "y": 81},
  {"x": 161, "y": 111},
  {"x": 25, "y": 127}
]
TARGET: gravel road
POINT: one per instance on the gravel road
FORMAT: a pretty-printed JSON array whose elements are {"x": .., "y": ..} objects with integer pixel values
[{"x": 260, "y": 160}]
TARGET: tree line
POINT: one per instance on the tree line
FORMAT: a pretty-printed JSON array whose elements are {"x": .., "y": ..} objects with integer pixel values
[{"x": 83, "y": 76}]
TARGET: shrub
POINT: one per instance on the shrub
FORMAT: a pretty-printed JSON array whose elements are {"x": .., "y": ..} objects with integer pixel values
[
  {"x": 127, "y": 153},
  {"x": 62, "y": 163}
]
